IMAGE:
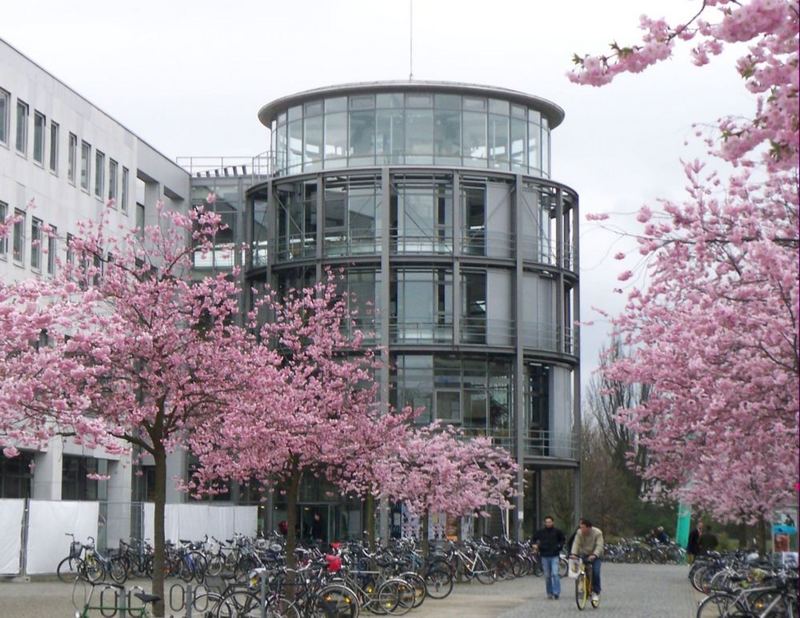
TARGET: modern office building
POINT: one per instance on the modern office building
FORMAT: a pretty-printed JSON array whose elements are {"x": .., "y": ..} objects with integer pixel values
[
  {"x": 437, "y": 200},
  {"x": 61, "y": 159}
]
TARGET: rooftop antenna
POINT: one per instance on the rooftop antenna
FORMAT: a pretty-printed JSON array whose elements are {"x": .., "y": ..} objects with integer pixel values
[{"x": 410, "y": 40}]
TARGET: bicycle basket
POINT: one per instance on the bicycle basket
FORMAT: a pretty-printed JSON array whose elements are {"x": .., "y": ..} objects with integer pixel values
[
  {"x": 574, "y": 567},
  {"x": 75, "y": 549}
]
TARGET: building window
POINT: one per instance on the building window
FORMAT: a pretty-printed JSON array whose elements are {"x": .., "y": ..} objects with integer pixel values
[
  {"x": 72, "y": 157},
  {"x": 99, "y": 173},
  {"x": 54, "y": 147},
  {"x": 421, "y": 305},
  {"x": 22, "y": 127},
  {"x": 5, "y": 100},
  {"x": 140, "y": 220},
  {"x": 421, "y": 211},
  {"x": 86, "y": 153},
  {"x": 18, "y": 246},
  {"x": 36, "y": 244},
  {"x": 52, "y": 247},
  {"x": 15, "y": 476},
  {"x": 3, "y": 237},
  {"x": 39, "y": 124},
  {"x": 352, "y": 215},
  {"x": 112, "y": 181},
  {"x": 124, "y": 199},
  {"x": 70, "y": 250},
  {"x": 473, "y": 310},
  {"x": 297, "y": 220},
  {"x": 75, "y": 485},
  {"x": 475, "y": 392}
]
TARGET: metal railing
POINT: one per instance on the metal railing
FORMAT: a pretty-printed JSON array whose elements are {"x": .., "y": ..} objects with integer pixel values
[
  {"x": 254, "y": 167},
  {"x": 490, "y": 244},
  {"x": 439, "y": 331},
  {"x": 354, "y": 242},
  {"x": 439, "y": 240},
  {"x": 480, "y": 330},
  {"x": 535, "y": 442},
  {"x": 296, "y": 246}
]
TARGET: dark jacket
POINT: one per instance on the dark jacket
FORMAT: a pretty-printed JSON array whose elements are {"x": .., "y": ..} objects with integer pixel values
[
  {"x": 693, "y": 546},
  {"x": 550, "y": 541}
]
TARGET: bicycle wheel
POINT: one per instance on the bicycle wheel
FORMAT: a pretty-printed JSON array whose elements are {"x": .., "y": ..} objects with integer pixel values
[
  {"x": 93, "y": 570},
  {"x": 439, "y": 582},
  {"x": 239, "y": 603},
  {"x": 335, "y": 601},
  {"x": 281, "y": 607},
  {"x": 68, "y": 569},
  {"x": 418, "y": 583},
  {"x": 118, "y": 570},
  {"x": 716, "y": 606},
  {"x": 581, "y": 591},
  {"x": 403, "y": 592},
  {"x": 563, "y": 567},
  {"x": 486, "y": 576}
]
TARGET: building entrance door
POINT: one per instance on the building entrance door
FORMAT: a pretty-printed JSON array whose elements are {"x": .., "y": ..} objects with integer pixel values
[{"x": 319, "y": 521}]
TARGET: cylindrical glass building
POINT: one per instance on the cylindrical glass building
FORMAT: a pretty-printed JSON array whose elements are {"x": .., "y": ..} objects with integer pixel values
[{"x": 436, "y": 199}]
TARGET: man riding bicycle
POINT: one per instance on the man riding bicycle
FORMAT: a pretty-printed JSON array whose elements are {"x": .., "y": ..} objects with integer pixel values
[{"x": 588, "y": 545}]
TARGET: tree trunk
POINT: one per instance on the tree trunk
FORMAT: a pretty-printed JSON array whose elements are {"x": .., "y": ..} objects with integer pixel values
[
  {"x": 292, "y": 493},
  {"x": 160, "y": 458},
  {"x": 370, "y": 517},
  {"x": 424, "y": 545},
  {"x": 761, "y": 535}
]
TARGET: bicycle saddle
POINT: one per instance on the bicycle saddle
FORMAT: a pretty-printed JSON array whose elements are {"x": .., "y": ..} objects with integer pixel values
[{"x": 147, "y": 598}]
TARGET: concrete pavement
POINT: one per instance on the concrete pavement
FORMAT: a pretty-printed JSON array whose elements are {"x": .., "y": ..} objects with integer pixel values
[{"x": 629, "y": 591}]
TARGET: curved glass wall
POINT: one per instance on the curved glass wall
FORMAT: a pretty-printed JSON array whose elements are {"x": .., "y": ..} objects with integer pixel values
[{"x": 411, "y": 128}]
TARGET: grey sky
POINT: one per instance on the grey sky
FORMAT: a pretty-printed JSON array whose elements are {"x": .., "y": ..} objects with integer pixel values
[{"x": 189, "y": 77}]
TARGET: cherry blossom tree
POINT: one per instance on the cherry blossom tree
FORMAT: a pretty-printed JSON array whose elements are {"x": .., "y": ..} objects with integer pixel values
[
  {"x": 138, "y": 354},
  {"x": 714, "y": 334},
  {"x": 322, "y": 416},
  {"x": 437, "y": 469}
]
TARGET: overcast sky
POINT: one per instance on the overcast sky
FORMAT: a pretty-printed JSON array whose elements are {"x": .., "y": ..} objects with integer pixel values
[{"x": 189, "y": 77}]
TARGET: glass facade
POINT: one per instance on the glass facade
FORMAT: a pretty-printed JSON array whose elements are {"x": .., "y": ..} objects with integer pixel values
[
  {"x": 474, "y": 392},
  {"x": 230, "y": 208},
  {"x": 411, "y": 128},
  {"x": 464, "y": 274},
  {"x": 447, "y": 240}
]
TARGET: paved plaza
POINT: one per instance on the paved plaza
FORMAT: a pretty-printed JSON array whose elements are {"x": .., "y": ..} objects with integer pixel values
[{"x": 630, "y": 591}]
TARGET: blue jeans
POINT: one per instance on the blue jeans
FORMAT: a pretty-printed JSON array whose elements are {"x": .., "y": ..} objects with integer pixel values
[
  {"x": 595, "y": 574},
  {"x": 552, "y": 581}
]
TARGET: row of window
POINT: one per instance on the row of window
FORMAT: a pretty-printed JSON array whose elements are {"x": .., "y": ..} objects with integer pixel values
[
  {"x": 411, "y": 128},
  {"x": 43, "y": 246},
  {"x": 420, "y": 217},
  {"x": 111, "y": 182}
]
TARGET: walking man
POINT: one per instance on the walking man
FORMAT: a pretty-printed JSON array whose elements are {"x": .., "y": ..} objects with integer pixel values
[
  {"x": 589, "y": 545},
  {"x": 550, "y": 540},
  {"x": 693, "y": 547}
]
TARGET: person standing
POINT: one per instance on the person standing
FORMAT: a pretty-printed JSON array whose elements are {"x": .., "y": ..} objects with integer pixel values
[
  {"x": 693, "y": 546},
  {"x": 550, "y": 541},
  {"x": 709, "y": 541},
  {"x": 589, "y": 545}
]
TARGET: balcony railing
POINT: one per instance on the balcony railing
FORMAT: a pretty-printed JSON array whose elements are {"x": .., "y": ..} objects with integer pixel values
[
  {"x": 354, "y": 242},
  {"x": 438, "y": 241},
  {"x": 535, "y": 443},
  {"x": 440, "y": 331},
  {"x": 479, "y": 330},
  {"x": 490, "y": 244}
]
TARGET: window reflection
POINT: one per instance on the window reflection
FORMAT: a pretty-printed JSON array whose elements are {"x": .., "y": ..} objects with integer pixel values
[
  {"x": 475, "y": 392},
  {"x": 411, "y": 128}
]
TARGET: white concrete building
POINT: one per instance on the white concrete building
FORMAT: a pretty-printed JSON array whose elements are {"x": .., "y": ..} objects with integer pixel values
[{"x": 61, "y": 159}]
